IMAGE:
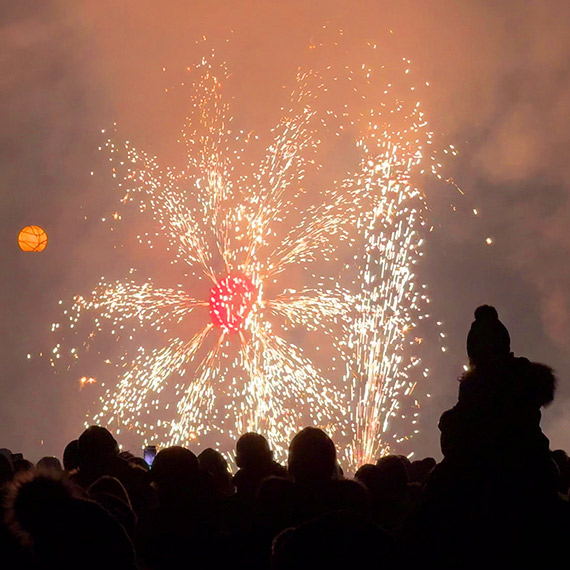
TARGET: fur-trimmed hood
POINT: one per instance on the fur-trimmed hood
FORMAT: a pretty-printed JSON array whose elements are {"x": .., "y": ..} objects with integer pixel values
[
  {"x": 64, "y": 530},
  {"x": 33, "y": 497},
  {"x": 517, "y": 380}
]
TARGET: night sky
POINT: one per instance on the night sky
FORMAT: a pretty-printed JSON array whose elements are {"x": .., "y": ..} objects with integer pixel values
[{"x": 499, "y": 75}]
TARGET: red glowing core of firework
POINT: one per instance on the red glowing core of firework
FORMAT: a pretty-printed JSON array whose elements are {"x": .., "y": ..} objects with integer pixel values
[{"x": 231, "y": 300}]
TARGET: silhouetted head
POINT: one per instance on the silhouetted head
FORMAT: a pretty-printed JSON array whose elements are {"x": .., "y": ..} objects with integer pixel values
[
  {"x": 6, "y": 453},
  {"x": 50, "y": 463},
  {"x": 420, "y": 470},
  {"x": 312, "y": 456},
  {"x": 174, "y": 468},
  {"x": 392, "y": 473},
  {"x": 71, "y": 455},
  {"x": 252, "y": 452},
  {"x": 488, "y": 340},
  {"x": 110, "y": 494},
  {"x": 367, "y": 475},
  {"x": 275, "y": 494},
  {"x": 213, "y": 462},
  {"x": 22, "y": 466},
  {"x": 33, "y": 496},
  {"x": 95, "y": 445},
  {"x": 350, "y": 495}
]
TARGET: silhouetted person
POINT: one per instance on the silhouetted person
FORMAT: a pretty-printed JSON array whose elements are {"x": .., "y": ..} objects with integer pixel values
[
  {"x": 138, "y": 462},
  {"x": 493, "y": 434},
  {"x": 175, "y": 473},
  {"x": 274, "y": 510},
  {"x": 6, "y": 453},
  {"x": 71, "y": 456},
  {"x": 392, "y": 473},
  {"x": 312, "y": 466},
  {"x": 182, "y": 523},
  {"x": 350, "y": 495},
  {"x": 492, "y": 501},
  {"x": 420, "y": 470},
  {"x": 391, "y": 498},
  {"x": 49, "y": 463},
  {"x": 66, "y": 532},
  {"x": 254, "y": 459},
  {"x": 275, "y": 503},
  {"x": 213, "y": 462},
  {"x": 312, "y": 457},
  {"x": 97, "y": 450},
  {"x": 22, "y": 466},
  {"x": 99, "y": 455},
  {"x": 12, "y": 554}
]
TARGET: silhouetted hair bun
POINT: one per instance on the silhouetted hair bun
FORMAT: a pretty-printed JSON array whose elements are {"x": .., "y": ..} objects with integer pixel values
[{"x": 486, "y": 313}]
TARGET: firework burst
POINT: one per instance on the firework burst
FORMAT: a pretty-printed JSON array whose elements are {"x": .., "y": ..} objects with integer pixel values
[
  {"x": 237, "y": 371},
  {"x": 234, "y": 365}
]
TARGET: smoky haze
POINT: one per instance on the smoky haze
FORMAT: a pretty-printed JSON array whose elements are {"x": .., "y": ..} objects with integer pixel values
[{"x": 499, "y": 75}]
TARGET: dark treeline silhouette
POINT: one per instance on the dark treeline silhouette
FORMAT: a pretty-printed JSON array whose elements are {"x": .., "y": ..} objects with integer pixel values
[{"x": 498, "y": 499}]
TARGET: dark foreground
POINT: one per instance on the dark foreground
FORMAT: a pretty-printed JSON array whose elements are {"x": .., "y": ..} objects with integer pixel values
[{"x": 499, "y": 499}]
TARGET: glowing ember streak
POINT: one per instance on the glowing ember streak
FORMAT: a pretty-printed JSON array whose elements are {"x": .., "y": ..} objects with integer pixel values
[
  {"x": 231, "y": 301},
  {"x": 387, "y": 303}
]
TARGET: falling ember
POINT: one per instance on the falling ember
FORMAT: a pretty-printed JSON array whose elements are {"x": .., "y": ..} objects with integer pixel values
[{"x": 231, "y": 301}]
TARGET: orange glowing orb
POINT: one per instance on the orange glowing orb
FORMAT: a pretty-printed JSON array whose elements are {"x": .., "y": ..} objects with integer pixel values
[
  {"x": 231, "y": 300},
  {"x": 32, "y": 238}
]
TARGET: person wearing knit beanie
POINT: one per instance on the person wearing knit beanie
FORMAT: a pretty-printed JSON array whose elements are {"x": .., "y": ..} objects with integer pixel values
[{"x": 488, "y": 340}]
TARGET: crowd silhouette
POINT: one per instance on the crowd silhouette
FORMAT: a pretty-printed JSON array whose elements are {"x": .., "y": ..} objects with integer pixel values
[{"x": 498, "y": 499}]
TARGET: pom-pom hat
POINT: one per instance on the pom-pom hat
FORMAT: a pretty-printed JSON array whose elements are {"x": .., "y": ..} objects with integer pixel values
[{"x": 488, "y": 338}]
